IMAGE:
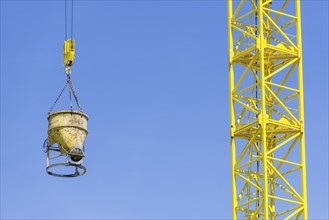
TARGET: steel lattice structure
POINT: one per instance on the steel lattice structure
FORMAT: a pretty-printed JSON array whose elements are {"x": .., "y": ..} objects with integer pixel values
[{"x": 267, "y": 110}]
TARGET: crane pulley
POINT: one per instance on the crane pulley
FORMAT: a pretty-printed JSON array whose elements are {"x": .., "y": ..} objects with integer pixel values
[{"x": 68, "y": 53}]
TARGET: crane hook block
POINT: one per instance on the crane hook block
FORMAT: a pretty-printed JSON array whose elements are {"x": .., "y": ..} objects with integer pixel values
[{"x": 68, "y": 53}]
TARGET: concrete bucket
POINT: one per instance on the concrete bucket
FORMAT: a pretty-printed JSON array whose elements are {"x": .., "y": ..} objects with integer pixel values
[{"x": 69, "y": 130}]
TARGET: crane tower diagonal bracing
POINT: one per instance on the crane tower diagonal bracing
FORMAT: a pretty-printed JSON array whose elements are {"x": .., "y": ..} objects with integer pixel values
[{"x": 267, "y": 110}]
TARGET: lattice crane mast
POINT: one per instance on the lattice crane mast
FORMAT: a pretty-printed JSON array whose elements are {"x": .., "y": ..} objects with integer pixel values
[{"x": 267, "y": 110}]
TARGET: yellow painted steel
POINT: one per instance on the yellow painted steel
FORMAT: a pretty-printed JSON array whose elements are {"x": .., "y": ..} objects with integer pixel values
[
  {"x": 68, "y": 52},
  {"x": 68, "y": 129},
  {"x": 266, "y": 110}
]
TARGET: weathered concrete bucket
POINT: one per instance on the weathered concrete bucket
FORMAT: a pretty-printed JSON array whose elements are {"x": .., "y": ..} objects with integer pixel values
[{"x": 67, "y": 131}]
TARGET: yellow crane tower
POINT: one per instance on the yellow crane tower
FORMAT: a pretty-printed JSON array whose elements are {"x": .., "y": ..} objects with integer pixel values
[{"x": 267, "y": 110}]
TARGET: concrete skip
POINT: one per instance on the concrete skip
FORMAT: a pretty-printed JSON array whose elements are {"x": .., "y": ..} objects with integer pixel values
[{"x": 69, "y": 130}]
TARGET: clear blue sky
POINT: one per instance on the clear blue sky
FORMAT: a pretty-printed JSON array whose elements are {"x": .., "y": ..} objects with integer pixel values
[{"x": 153, "y": 77}]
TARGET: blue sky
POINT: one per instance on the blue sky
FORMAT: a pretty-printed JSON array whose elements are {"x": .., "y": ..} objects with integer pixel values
[{"x": 152, "y": 76}]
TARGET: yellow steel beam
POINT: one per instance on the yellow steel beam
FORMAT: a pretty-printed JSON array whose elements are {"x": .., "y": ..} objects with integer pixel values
[
  {"x": 283, "y": 188},
  {"x": 301, "y": 107},
  {"x": 281, "y": 68},
  {"x": 290, "y": 171},
  {"x": 287, "y": 153},
  {"x": 284, "y": 35},
  {"x": 245, "y": 15},
  {"x": 249, "y": 181},
  {"x": 286, "y": 200},
  {"x": 245, "y": 105},
  {"x": 288, "y": 210},
  {"x": 263, "y": 118},
  {"x": 232, "y": 118},
  {"x": 281, "y": 103},
  {"x": 285, "y": 161},
  {"x": 242, "y": 192},
  {"x": 245, "y": 149},
  {"x": 245, "y": 72},
  {"x": 248, "y": 163},
  {"x": 280, "y": 13},
  {"x": 246, "y": 88},
  {"x": 283, "y": 143},
  {"x": 238, "y": 8},
  {"x": 281, "y": 10},
  {"x": 286, "y": 77},
  {"x": 257, "y": 211},
  {"x": 250, "y": 201},
  {"x": 296, "y": 194},
  {"x": 282, "y": 87},
  {"x": 294, "y": 213}
]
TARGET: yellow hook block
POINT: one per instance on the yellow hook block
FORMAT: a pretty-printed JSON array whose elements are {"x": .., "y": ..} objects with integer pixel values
[{"x": 68, "y": 52}]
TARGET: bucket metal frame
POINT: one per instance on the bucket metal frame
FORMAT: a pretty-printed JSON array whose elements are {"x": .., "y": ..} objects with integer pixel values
[{"x": 53, "y": 152}]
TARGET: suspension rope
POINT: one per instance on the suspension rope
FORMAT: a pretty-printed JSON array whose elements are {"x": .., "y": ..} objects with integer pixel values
[
  {"x": 60, "y": 94},
  {"x": 71, "y": 92},
  {"x": 256, "y": 96},
  {"x": 72, "y": 20},
  {"x": 70, "y": 97},
  {"x": 66, "y": 20},
  {"x": 74, "y": 94}
]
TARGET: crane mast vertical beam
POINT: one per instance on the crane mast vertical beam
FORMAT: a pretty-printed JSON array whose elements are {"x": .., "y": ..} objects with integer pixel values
[
  {"x": 262, "y": 120},
  {"x": 267, "y": 110},
  {"x": 231, "y": 85},
  {"x": 301, "y": 106}
]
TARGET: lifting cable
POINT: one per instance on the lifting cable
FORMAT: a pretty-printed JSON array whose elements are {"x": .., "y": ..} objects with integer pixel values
[
  {"x": 256, "y": 94},
  {"x": 66, "y": 26},
  {"x": 71, "y": 91},
  {"x": 251, "y": 152},
  {"x": 69, "y": 51}
]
